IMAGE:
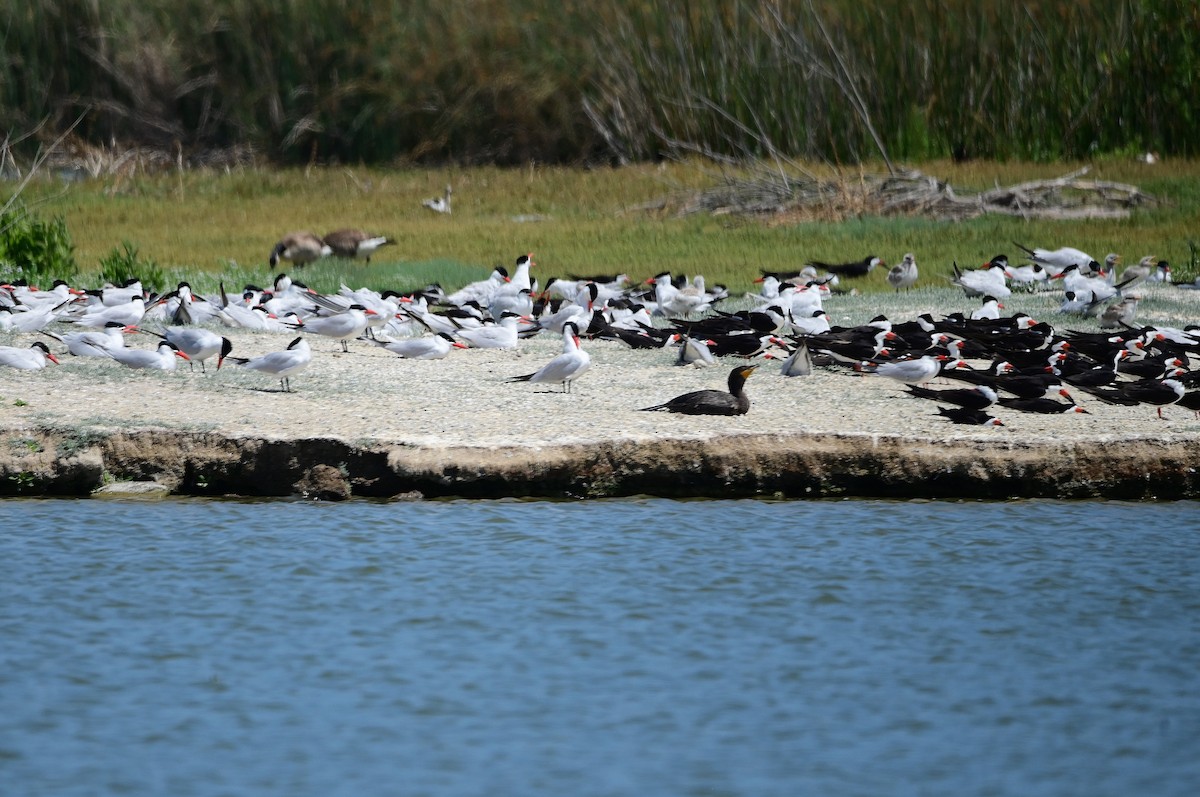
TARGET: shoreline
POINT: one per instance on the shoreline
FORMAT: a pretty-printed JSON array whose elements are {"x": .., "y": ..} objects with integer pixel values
[
  {"x": 45, "y": 462},
  {"x": 369, "y": 424}
]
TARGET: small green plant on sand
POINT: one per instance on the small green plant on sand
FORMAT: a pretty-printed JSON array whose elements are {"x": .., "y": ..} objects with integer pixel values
[{"x": 123, "y": 264}]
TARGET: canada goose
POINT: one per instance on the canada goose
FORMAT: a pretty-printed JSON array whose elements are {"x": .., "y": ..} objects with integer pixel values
[
  {"x": 355, "y": 243},
  {"x": 439, "y": 204},
  {"x": 300, "y": 248}
]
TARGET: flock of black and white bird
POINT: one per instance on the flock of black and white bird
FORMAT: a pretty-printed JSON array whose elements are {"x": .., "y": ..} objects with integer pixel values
[{"x": 1000, "y": 361}]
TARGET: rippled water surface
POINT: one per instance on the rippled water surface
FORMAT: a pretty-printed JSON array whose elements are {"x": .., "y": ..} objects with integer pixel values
[{"x": 641, "y": 647}]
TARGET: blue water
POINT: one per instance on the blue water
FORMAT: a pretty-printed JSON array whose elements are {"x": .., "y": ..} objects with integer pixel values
[{"x": 638, "y": 647}]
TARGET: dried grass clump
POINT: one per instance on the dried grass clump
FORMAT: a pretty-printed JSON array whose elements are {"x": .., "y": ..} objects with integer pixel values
[{"x": 792, "y": 199}]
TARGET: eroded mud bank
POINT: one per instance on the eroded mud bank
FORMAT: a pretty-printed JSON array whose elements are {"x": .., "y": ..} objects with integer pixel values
[{"x": 49, "y": 462}]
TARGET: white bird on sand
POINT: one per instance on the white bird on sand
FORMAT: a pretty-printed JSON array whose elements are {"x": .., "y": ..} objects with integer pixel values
[
  {"x": 95, "y": 343},
  {"x": 113, "y": 295},
  {"x": 695, "y": 351},
  {"x": 566, "y": 367},
  {"x": 31, "y": 320},
  {"x": 33, "y": 358},
  {"x": 282, "y": 364},
  {"x": 343, "y": 326},
  {"x": 1060, "y": 258},
  {"x": 987, "y": 281},
  {"x": 989, "y": 310},
  {"x": 578, "y": 312},
  {"x": 480, "y": 291},
  {"x": 198, "y": 344},
  {"x": 501, "y": 335},
  {"x": 1030, "y": 277},
  {"x": 915, "y": 371},
  {"x": 903, "y": 275},
  {"x": 1162, "y": 273},
  {"x": 430, "y": 347},
  {"x": 127, "y": 314},
  {"x": 161, "y": 359}
]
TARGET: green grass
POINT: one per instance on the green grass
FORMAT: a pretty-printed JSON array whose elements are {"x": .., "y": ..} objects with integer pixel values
[{"x": 208, "y": 226}]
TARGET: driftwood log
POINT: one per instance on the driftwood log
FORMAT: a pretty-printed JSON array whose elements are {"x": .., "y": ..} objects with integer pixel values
[{"x": 912, "y": 193}]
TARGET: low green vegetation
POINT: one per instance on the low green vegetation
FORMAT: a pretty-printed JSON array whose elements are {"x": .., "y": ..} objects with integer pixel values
[{"x": 211, "y": 227}]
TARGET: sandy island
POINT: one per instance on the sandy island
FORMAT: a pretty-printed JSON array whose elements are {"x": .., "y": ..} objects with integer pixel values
[{"x": 366, "y": 423}]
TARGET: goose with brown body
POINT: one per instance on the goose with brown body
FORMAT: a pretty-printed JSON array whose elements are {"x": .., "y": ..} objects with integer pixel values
[
  {"x": 300, "y": 248},
  {"x": 355, "y": 244}
]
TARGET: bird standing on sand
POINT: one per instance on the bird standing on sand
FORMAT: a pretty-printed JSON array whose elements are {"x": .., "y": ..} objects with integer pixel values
[
  {"x": 344, "y": 326},
  {"x": 713, "y": 402},
  {"x": 300, "y": 248},
  {"x": 903, "y": 275},
  {"x": 913, "y": 372},
  {"x": 283, "y": 364},
  {"x": 197, "y": 343},
  {"x": 566, "y": 367}
]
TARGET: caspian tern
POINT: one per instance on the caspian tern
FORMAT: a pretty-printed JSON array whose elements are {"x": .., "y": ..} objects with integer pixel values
[
  {"x": 501, "y": 335},
  {"x": 300, "y": 248},
  {"x": 1058, "y": 259},
  {"x": 430, "y": 347},
  {"x": 480, "y": 291},
  {"x": 182, "y": 306},
  {"x": 986, "y": 281},
  {"x": 161, "y": 359},
  {"x": 32, "y": 320},
  {"x": 95, "y": 343},
  {"x": 282, "y": 364},
  {"x": 114, "y": 295},
  {"x": 566, "y": 367},
  {"x": 61, "y": 293},
  {"x": 577, "y": 312},
  {"x": 197, "y": 344},
  {"x": 127, "y": 314},
  {"x": 33, "y": 358},
  {"x": 989, "y": 310},
  {"x": 343, "y": 326}
]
